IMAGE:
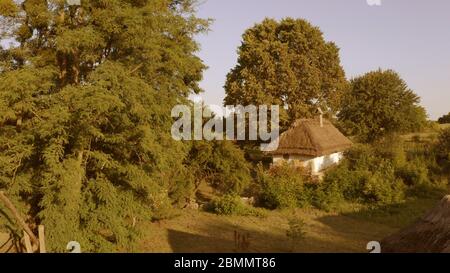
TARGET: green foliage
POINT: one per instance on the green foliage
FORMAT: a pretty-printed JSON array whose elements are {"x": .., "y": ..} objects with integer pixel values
[
  {"x": 85, "y": 144},
  {"x": 221, "y": 164},
  {"x": 443, "y": 144},
  {"x": 383, "y": 173},
  {"x": 383, "y": 187},
  {"x": 287, "y": 63},
  {"x": 8, "y": 8},
  {"x": 378, "y": 104},
  {"x": 373, "y": 187},
  {"x": 362, "y": 177},
  {"x": 230, "y": 204},
  {"x": 283, "y": 187},
  {"x": 444, "y": 119},
  {"x": 391, "y": 148},
  {"x": 296, "y": 229},
  {"x": 414, "y": 173}
]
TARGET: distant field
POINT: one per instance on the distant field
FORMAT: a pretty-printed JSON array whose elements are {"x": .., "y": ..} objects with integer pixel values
[
  {"x": 445, "y": 126},
  {"x": 427, "y": 135}
]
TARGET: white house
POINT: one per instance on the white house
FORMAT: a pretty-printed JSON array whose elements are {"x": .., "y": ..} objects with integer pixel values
[{"x": 312, "y": 143}]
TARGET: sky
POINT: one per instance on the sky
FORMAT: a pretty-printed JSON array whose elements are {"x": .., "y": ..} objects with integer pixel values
[{"x": 410, "y": 36}]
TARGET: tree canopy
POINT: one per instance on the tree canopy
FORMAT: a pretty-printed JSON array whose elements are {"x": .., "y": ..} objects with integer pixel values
[
  {"x": 221, "y": 164},
  {"x": 287, "y": 63},
  {"x": 85, "y": 99},
  {"x": 380, "y": 103},
  {"x": 444, "y": 119}
]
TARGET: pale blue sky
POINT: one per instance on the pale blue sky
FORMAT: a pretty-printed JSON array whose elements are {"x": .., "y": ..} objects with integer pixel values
[{"x": 409, "y": 36}]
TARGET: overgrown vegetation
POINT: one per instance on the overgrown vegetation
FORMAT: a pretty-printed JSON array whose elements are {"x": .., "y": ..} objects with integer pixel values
[
  {"x": 283, "y": 187},
  {"x": 230, "y": 204},
  {"x": 384, "y": 173}
]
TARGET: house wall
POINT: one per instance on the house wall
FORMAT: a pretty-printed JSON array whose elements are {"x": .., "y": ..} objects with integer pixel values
[{"x": 316, "y": 164}]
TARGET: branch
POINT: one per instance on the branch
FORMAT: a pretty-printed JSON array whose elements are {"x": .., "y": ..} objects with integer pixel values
[
  {"x": 136, "y": 68},
  {"x": 16, "y": 214}
]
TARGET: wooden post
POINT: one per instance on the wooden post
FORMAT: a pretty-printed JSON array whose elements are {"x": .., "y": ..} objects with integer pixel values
[
  {"x": 27, "y": 242},
  {"x": 42, "y": 239},
  {"x": 19, "y": 219}
]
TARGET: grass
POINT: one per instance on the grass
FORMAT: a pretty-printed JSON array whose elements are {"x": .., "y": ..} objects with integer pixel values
[
  {"x": 347, "y": 231},
  {"x": 428, "y": 135}
]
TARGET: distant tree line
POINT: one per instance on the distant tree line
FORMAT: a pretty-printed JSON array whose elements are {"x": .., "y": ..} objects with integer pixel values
[{"x": 444, "y": 119}]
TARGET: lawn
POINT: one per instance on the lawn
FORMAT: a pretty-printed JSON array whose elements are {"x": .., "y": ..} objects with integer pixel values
[{"x": 347, "y": 231}]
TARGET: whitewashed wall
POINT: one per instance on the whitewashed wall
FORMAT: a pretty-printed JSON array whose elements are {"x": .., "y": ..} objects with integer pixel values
[{"x": 317, "y": 164}]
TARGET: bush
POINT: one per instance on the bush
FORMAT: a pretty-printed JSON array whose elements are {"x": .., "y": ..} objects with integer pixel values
[
  {"x": 383, "y": 188},
  {"x": 361, "y": 185},
  {"x": 233, "y": 205},
  {"x": 367, "y": 175},
  {"x": 391, "y": 148},
  {"x": 443, "y": 144},
  {"x": 284, "y": 187},
  {"x": 414, "y": 173},
  {"x": 296, "y": 231},
  {"x": 378, "y": 174}
]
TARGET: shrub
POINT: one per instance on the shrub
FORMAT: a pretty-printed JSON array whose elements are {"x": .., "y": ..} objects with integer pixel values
[
  {"x": 296, "y": 231},
  {"x": 391, "y": 148},
  {"x": 443, "y": 144},
  {"x": 232, "y": 205},
  {"x": 365, "y": 177},
  {"x": 284, "y": 187},
  {"x": 383, "y": 188},
  {"x": 414, "y": 173},
  {"x": 339, "y": 184}
]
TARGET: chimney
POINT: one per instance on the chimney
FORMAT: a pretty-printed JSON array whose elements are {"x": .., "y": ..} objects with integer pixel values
[{"x": 320, "y": 116}]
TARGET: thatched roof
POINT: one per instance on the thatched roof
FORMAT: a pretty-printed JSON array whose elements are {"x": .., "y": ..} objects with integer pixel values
[
  {"x": 431, "y": 234},
  {"x": 307, "y": 138}
]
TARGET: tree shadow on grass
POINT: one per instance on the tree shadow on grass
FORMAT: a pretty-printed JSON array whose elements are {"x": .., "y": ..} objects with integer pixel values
[
  {"x": 373, "y": 224},
  {"x": 184, "y": 242},
  {"x": 222, "y": 239}
]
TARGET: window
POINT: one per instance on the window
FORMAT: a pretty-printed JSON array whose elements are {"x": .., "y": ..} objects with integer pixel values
[{"x": 286, "y": 157}]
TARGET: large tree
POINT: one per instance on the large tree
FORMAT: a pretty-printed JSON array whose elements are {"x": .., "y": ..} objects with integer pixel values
[
  {"x": 287, "y": 63},
  {"x": 380, "y": 103},
  {"x": 85, "y": 99}
]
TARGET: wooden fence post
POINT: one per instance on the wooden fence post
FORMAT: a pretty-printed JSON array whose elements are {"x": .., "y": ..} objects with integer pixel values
[
  {"x": 27, "y": 242},
  {"x": 42, "y": 239}
]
